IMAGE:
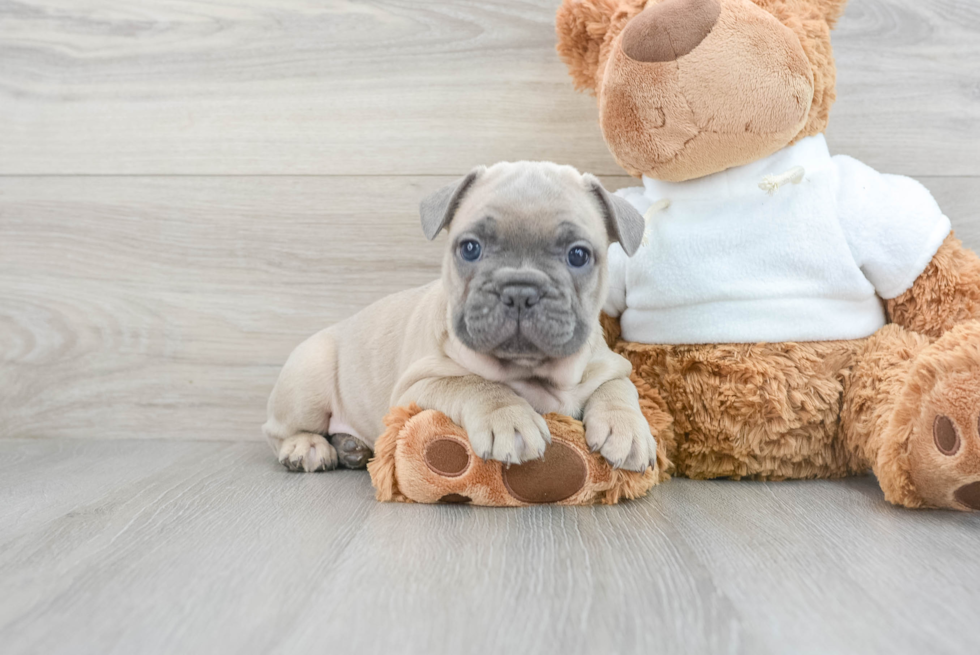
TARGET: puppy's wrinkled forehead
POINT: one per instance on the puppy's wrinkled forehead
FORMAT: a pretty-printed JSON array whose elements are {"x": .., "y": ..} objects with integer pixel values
[{"x": 525, "y": 200}]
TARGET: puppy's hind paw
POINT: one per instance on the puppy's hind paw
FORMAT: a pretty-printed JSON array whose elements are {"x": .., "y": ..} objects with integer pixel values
[
  {"x": 307, "y": 452},
  {"x": 352, "y": 453}
]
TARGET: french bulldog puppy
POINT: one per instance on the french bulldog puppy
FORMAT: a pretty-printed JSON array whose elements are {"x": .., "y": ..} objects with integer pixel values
[{"x": 510, "y": 331}]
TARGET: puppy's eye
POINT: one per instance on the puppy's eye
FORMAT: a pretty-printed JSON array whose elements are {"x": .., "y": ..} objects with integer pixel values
[
  {"x": 578, "y": 257},
  {"x": 470, "y": 250}
]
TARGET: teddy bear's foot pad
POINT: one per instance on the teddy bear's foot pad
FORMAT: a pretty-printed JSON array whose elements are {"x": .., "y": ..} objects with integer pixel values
[
  {"x": 352, "y": 453},
  {"x": 969, "y": 495},
  {"x": 948, "y": 441},
  {"x": 939, "y": 411},
  {"x": 559, "y": 474},
  {"x": 424, "y": 457}
]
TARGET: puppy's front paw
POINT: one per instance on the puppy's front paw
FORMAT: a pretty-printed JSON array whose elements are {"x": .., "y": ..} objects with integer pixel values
[
  {"x": 511, "y": 434},
  {"x": 621, "y": 434},
  {"x": 307, "y": 452}
]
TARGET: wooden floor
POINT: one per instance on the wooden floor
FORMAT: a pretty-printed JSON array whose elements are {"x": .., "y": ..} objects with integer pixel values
[
  {"x": 188, "y": 188},
  {"x": 211, "y": 547}
]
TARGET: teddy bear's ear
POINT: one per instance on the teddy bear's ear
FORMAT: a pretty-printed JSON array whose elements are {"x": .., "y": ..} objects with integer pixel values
[
  {"x": 583, "y": 26},
  {"x": 831, "y": 9}
]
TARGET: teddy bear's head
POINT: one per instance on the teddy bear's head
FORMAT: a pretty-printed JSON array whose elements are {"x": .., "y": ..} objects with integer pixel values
[{"x": 687, "y": 88}]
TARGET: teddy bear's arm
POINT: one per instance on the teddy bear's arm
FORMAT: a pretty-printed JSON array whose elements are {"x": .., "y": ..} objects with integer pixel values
[{"x": 945, "y": 294}]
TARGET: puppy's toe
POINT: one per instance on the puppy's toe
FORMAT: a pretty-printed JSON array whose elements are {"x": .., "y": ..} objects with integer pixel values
[
  {"x": 639, "y": 457},
  {"x": 307, "y": 452},
  {"x": 511, "y": 434},
  {"x": 507, "y": 446}
]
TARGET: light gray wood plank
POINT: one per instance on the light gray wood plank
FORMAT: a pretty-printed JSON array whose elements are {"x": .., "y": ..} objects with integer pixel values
[
  {"x": 908, "y": 86},
  {"x": 163, "y": 307},
  {"x": 397, "y": 87},
  {"x": 220, "y": 550},
  {"x": 136, "y": 307},
  {"x": 959, "y": 198},
  {"x": 77, "y": 473}
]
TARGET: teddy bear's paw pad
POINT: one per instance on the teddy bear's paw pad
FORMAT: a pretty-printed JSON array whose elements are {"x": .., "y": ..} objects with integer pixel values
[
  {"x": 447, "y": 457},
  {"x": 455, "y": 499},
  {"x": 950, "y": 443},
  {"x": 945, "y": 435},
  {"x": 558, "y": 475},
  {"x": 969, "y": 495},
  {"x": 352, "y": 453}
]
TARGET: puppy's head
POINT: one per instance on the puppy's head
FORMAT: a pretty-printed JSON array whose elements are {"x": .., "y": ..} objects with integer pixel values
[{"x": 525, "y": 265}]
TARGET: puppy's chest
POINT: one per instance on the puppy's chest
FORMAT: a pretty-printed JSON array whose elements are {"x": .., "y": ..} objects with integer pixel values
[{"x": 546, "y": 398}]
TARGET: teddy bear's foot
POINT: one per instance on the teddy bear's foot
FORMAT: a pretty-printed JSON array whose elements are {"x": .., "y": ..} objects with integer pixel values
[
  {"x": 946, "y": 434},
  {"x": 352, "y": 453},
  {"x": 944, "y": 444},
  {"x": 424, "y": 457}
]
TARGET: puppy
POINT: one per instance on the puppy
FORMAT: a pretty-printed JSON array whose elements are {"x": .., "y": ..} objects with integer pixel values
[{"x": 509, "y": 332}]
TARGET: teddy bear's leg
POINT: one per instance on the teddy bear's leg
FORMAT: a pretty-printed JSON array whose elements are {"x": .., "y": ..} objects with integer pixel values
[
  {"x": 767, "y": 411},
  {"x": 912, "y": 413}
]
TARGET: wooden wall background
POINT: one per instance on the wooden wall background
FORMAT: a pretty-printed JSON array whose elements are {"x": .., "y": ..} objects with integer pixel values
[{"x": 190, "y": 188}]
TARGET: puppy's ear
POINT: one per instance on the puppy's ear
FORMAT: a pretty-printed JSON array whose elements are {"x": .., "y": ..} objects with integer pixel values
[
  {"x": 438, "y": 208},
  {"x": 623, "y": 223}
]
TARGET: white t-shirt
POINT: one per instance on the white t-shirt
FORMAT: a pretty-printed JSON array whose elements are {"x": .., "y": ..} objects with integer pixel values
[{"x": 726, "y": 262}]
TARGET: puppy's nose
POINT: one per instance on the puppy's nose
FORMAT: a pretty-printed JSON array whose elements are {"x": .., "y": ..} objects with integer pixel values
[
  {"x": 522, "y": 296},
  {"x": 670, "y": 29}
]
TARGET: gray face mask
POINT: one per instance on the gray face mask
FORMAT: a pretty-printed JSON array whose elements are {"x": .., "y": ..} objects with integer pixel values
[{"x": 525, "y": 270}]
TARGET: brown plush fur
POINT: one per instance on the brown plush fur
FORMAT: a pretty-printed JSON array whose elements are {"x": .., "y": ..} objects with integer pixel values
[
  {"x": 811, "y": 21},
  {"x": 820, "y": 409},
  {"x": 765, "y": 411},
  {"x": 585, "y": 31},
  {"x": 945, "y": 294},
  {"x": 400, "y": 473},
  {"x": 677, "y": 120}
]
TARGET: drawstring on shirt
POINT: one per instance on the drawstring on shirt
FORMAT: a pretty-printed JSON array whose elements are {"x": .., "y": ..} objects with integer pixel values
[
  {"x": 660, "y": 205},
  {"x": 771, "y": 183}
]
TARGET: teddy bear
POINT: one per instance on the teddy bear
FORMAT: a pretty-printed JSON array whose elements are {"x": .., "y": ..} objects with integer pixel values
[{"x": 791, "y": 314}]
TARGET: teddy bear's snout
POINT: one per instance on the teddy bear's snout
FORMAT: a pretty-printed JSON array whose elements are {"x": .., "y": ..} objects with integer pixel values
[
  {"x": 693, "y": 87},
  {"x": 669, "y": 29}
]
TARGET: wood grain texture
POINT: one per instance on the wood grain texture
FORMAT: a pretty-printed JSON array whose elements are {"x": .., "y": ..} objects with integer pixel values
[
  {"x": 408, "y": 87},
  {"x": 164, "y": 307},
  {"x": 213, "y": 548}
]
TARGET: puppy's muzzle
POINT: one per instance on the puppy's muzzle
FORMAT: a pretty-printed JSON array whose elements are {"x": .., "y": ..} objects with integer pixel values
[{"x": 517, "y": 311}]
